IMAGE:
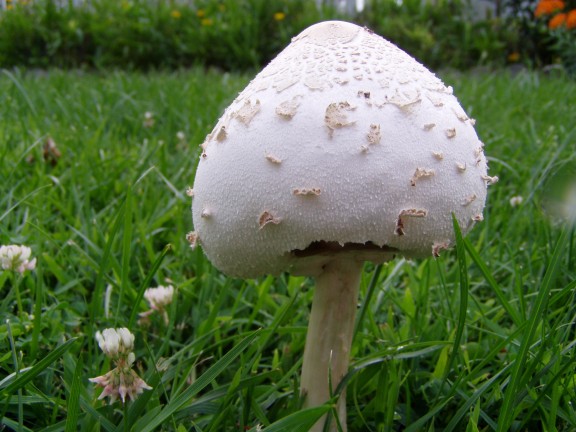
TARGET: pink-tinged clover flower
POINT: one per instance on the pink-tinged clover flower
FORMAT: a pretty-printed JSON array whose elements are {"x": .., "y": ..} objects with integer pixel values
[
  {"x": 16, "y": 258},
  {"x": 158, "y": 298},
  {"x": 121, "y": 381}
]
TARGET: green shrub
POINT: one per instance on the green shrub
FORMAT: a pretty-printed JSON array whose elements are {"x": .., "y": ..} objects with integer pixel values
[
  {"x": 547, "y": 32},
  {"x": 142, "y": 34},
  {"x": 440, "y": 34},
  {"x": 228, "y": 34}
]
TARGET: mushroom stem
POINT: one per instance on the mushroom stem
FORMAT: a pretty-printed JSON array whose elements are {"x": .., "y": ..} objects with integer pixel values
[{"x": 329, "y": 337}]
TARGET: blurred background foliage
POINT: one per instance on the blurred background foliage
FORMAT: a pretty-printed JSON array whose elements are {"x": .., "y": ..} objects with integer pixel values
[{"x": 246, "y": 34}]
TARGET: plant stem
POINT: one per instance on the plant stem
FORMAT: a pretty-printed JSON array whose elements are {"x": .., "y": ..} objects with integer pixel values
[
  {"x": 329, "y": 338},
  {"x": 17, "y": 281}
]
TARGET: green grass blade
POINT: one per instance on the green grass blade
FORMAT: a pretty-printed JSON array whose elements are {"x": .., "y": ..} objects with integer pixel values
[
  {"x": 146, "y": 284},
  {"x": 73, "y": 407},
  {"x": 102, "y": 270},
  {"x": 471, "y": 400},
  {"x": 203, "y": 381},
  {"x": 513, "y": 313},
  {"x": 22, "y": 91},
  {"x": 300, "y": 421},
  {"x": 31, "y": 373},
  {"x": 464, "y": 288},
  {"x": 13, "y": 425},
  {"x": 127, "y": 230},
  {"x": 106, "y": 424},
  {"x": 369, "y": 294},
  {"x": 419, "y": 424},
  {"x": 514, "y": 386}
]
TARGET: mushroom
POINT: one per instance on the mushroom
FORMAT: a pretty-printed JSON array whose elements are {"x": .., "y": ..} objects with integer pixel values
[{"x": 341, "y": 196}]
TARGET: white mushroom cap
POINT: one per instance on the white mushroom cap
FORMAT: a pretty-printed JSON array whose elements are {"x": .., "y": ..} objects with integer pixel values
[{"x": 343, "y": 139}]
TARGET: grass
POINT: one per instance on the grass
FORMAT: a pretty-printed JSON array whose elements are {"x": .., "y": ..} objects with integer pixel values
[{"x": 481, "y": 339}]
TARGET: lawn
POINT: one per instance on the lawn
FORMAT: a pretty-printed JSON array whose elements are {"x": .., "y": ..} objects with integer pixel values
[{"x": 94, "y": 169}]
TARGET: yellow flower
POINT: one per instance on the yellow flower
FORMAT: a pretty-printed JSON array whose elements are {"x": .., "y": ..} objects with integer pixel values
[
  {"x": 279, "y": 16},
  {"x": 176, "y": 14},
  {"x": 206, "y": 22},
  {"x": 200, "y": 13},
  {"x": 221, "y": 7},
  {"x": 513, "y": 57}
]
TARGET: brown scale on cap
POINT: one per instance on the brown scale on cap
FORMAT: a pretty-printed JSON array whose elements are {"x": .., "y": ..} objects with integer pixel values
[
  {"x": 450, "y": 133},
  {"x": 341, "y": 81},
  {"x": 306, "y": 191},
  {"x": 469, "y": 200},
  {"x": 374, "y": 135},
  {"x": 405, "y": 100},
  {"x": 421, "y": 173},
  {"x": 364, "y": 94},
  {"x": 288, "y": 108},
  {"x": 461, "y": 116},
  {"x": 222, "y": 134},
  {"x": 336, "y": 117},
  {"x": 247, "y": 112},
  {"x": 416, "y": 213},
  {"x": 267, "y": 217},
  {"x": 490, "y": 180},
  {"x": 273, "y": 159},
  {"x": 438, "y": 246},
  {"x": 437, "y": 102},
  {"x": 193, "y": 239}
]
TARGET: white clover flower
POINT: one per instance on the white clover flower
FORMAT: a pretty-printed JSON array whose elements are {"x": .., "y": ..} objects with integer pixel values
[
  {"x": 515, "y": 201},
  {"x": 126, "y": 338},
  {"x": 180, "y": 135},
  {"x": 148, "y": 119},
  {"x": 115, "y": 342},
  {"x": 159, "y": 297},
  {"x": 16, "y": 258},
  {"x": 121, "y": 381}
]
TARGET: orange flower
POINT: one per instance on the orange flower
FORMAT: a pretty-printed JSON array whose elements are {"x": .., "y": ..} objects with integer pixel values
[
  {"x": 557, "y": 21},
  {"x": 547, "y": 7},
  {"x": 571, "y": 19}
]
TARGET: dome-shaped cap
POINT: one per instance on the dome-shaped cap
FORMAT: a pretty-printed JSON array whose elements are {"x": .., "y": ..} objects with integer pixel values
[{"x": 342, "y": 143}]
